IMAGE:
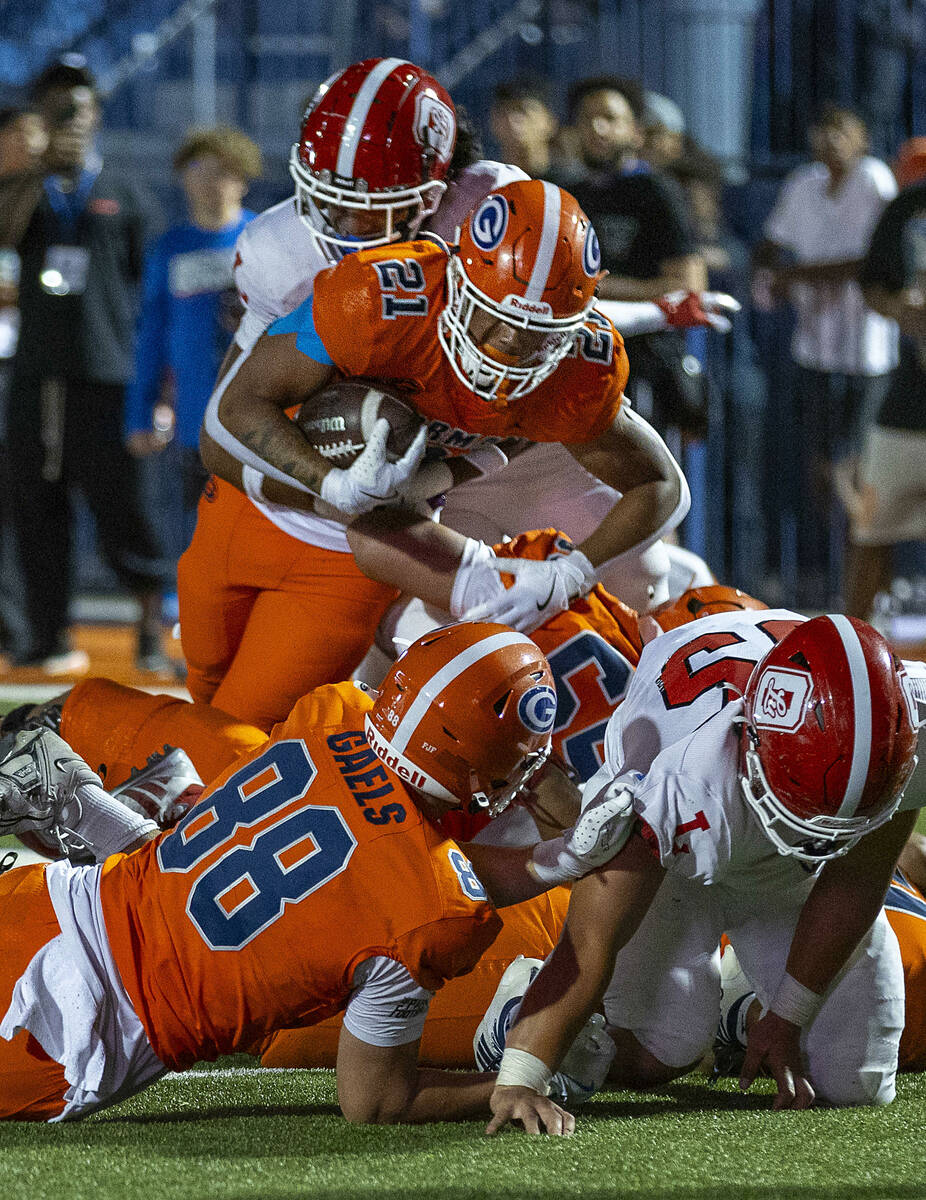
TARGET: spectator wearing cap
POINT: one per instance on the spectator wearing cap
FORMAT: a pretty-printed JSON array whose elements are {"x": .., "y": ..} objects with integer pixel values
[
  {"x": 190, "y": 307},
  {"x": 80, "y": 229},
  {"x": 889, "y": 506},
  {"x": 663, "y": 125},
  {"x": 843, "y": 352}
]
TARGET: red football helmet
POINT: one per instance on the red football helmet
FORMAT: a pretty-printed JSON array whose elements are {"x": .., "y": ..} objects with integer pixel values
[
  {"x": 702, "y": 602},
  {"x": 524, "y": 279},
  {"x": 466, "y": 714},
  {"x": 376, "y": 138},
  {"x": 829, "y": 741}
]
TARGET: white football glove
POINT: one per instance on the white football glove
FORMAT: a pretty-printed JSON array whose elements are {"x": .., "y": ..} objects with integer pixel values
[
  {"x": 585, "y": 1066},
  {"x": 688, "y": 310},
  {"x": 370, "y": 480},
  {"x": 540, "y": 590},
  {"x": 597, "y": 836}
]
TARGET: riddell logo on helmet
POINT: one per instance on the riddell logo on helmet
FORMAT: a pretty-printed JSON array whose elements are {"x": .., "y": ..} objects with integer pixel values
[
  {"x": 382, "y": 750},
  {"x": 534, "y": 308},
  {"x": 780, "y": 697}
]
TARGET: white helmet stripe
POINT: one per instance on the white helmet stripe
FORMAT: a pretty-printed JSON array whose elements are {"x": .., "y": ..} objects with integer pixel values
[
  {"x": 549, "y": 235},
  {"x": 446, "y": 675},
  {"x": 861, "y": 707},
  {"x": 363, "y": 101}
]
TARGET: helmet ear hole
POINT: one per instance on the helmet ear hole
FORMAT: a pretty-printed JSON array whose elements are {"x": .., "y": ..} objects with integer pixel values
[{"x": 500, "y": 703}]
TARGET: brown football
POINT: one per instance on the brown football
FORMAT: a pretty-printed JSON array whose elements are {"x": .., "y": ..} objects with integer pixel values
[{"x": 339, "y": 419}]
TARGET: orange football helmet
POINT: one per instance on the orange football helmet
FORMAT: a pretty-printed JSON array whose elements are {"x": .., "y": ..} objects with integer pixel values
[
  {"x": 529, "y": 261},
  {"x": 466, "y": 714},
  {"x": 702, "y": 602}
]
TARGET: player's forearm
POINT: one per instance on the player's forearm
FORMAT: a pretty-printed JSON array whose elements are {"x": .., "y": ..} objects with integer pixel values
[
  {"x": 448, "y": 1096},
  {"x": 844, "y": 903},
  {"x": 503, "y": 872},
  {"x": 605, "y": 911},
  {"x": 640, "y": 517}
]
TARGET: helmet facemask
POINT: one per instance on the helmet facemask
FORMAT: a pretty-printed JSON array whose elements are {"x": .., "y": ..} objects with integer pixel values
[
  {"x": 404, "y": 209},
  {"x": 488, "y": 377},
  {"x": 813, "y": 840}
]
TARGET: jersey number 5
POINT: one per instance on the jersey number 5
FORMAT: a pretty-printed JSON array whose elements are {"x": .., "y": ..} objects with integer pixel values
[{"x": 246, "y": 885}]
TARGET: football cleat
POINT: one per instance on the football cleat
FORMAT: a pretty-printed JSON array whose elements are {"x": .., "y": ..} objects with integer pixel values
[
  {"x": 489, "y": 1042},
  {"x": 736, "y": 995},
  {"x": 34, "y": 716},
  {"x": 39, "y": 779},
  {"x": 585, "y": 1065},
  {"x": 163, "y": 789}
]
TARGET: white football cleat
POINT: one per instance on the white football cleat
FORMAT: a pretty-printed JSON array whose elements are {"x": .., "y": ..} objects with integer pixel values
[
  {"x": 736, "y": 995},
  {"x": 489, "y": 1042},
  {"x": 163, "y": 789},
  {"x": 585, "y": 1065}
]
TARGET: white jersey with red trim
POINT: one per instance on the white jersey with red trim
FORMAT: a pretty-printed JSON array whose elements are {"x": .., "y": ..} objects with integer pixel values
[
  {"x": 675, "y": 742},
  {"x": 277, "y": 258}
]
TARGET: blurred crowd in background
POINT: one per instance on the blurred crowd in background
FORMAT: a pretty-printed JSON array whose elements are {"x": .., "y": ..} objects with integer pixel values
[{"x": 788, "y": 427}]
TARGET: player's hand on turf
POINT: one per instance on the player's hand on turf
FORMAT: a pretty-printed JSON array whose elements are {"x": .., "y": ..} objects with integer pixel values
[
  {"x": 371, "y": 480},
  {"x": 774, "y": 1044},
  {"x": 540, "y": 590},
  {"x": 537, "y": 1113},
  {"x": 688, "y": 310}
]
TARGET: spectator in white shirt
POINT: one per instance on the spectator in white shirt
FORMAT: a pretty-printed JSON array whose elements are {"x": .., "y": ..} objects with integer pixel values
[{"x": 843, "y": 352}]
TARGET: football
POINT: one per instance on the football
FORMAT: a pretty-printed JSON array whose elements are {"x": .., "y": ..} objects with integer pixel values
[{"x": 339, "y": 420}]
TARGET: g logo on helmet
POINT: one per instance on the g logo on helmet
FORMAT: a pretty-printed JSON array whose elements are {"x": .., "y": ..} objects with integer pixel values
[
  {"x": 537, "y": 709},
  {"x": 488, "y": 223},
  {"x": 780, "y": 697},
  {"x": 591, "y": 253}
]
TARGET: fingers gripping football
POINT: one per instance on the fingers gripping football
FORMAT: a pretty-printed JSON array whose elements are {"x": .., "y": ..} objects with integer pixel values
[{"x": 371, "y": 480}]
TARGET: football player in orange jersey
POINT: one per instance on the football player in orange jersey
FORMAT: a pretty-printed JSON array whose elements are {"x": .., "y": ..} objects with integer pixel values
[
  {"x": 214, "y": 933},
  {"x": 494, "y": 339}
]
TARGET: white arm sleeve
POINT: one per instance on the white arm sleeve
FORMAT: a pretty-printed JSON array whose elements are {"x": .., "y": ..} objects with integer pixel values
[
  {"x": 386, "y": 1007},
  {"x": 633, "y": 317},
  {"x": 219, "y": 434}
]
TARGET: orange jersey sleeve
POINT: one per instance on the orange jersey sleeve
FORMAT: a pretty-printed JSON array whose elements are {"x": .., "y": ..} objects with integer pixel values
[
  {"x": 905, "y": 906},
  {"x": 378, "y": 308},
  {"x": 301, "y": 861},
  {"x": 593, "y": 648}
]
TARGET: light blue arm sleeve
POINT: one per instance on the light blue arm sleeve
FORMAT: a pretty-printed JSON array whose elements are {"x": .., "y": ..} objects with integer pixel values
[{"x": 301, "y": 321}]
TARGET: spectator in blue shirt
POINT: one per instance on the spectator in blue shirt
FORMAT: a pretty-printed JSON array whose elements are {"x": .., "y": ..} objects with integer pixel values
[{"x": 189, "y": 305}]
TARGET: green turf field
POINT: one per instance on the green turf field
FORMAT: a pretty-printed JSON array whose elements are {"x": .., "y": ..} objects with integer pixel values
[
  {"x": 243, "y": 1133},
  {"x": 264, "y": 1135}
]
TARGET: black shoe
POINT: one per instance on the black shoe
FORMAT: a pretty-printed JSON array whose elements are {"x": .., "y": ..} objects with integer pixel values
[{"x": 34, "y": 716}]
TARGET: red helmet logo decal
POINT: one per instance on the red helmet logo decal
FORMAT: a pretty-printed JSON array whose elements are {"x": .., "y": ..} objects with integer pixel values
[
  {"x": 780, "y": 697},
  {"x": 435, "y": 127}
]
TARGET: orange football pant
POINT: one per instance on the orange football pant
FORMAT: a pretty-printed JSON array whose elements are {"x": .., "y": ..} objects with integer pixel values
[
  {"x": 265, "y": 618},
  {"x": 116, "y": 728},
  {"x": 531, "y": 929},
  {"x": 32, "y": 1085}
]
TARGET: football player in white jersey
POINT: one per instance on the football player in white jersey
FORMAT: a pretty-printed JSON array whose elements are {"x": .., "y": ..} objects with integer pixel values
[{"x": 753, "y": 784}]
